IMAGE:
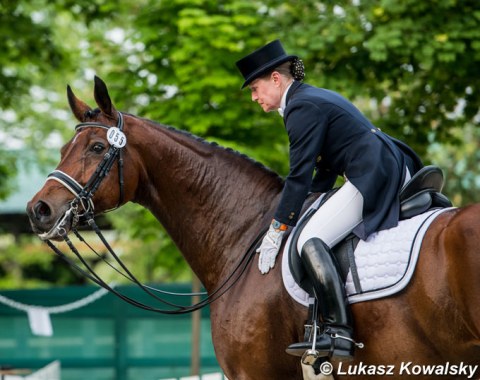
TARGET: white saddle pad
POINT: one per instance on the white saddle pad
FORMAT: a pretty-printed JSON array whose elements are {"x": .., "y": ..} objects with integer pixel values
[{"x": 385, "y": 261}]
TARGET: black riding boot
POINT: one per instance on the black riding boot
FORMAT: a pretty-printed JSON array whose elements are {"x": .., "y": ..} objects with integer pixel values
[{"x": 336, "y": 340}]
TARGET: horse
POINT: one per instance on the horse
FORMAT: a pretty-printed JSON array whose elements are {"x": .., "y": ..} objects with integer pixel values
[{"x": 214, "y": 202}]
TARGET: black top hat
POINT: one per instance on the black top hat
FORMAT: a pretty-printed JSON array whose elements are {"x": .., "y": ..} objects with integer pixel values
[{"x": 260, "y": 61}]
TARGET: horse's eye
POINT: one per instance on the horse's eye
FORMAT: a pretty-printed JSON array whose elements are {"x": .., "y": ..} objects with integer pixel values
[{"x": 97, "y": 147}]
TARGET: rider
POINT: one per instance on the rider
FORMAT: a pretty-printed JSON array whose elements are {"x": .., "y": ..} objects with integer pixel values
[{"x": 329, "y": 137}]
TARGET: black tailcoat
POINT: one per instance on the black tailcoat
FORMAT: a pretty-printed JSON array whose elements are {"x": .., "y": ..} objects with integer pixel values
[{"x": 330, "y": 137}]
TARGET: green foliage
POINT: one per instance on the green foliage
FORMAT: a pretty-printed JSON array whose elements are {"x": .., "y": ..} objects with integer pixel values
[
  {"x": 151, "y": 252},
  {"x": 187, "y": 76},
  {"x": 32, "y": 62},
  {"x": 28, "y": 263},
  {"x": 417, "y": 60},
  {"x": 428, "y": 64},
  {"x": 8, "y": 170},
  {"x": 27, "y": 48},
  {"x": 462, "y": 182}
]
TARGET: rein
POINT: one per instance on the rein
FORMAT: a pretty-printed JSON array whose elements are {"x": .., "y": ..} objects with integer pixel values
[{"x": 83, "y": 198}]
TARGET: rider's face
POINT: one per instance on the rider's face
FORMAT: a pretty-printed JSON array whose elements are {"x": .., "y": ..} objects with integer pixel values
[{"x": 267, "y": 92}]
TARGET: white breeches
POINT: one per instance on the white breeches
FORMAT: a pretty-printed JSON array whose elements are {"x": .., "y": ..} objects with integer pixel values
[{"x": 337, "y": 217}]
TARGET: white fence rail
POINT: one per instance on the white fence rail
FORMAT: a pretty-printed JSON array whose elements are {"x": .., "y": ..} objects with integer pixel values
[{"x": 49, "y": 372}]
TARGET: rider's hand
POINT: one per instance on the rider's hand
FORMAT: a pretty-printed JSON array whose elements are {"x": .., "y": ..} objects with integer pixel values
[{"x": 270, "y": 246}]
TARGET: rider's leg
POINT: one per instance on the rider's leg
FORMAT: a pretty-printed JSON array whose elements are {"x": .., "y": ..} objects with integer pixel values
[
  {"x": 330, "y": 224},
  {"x": 336, "y": 218}
]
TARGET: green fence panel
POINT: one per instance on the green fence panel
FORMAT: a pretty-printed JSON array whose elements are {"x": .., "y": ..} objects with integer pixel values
[{"x": 107, "y": 339}]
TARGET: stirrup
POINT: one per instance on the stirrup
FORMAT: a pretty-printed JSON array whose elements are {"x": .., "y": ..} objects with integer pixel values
[{"x": 335, "y": 348}]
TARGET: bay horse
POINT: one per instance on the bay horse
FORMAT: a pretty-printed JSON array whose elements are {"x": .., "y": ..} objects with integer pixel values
[{"x": 214, "y": 202}]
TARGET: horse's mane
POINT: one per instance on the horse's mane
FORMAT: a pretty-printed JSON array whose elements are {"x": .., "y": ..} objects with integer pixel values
[{"x": 213, "y": 145}]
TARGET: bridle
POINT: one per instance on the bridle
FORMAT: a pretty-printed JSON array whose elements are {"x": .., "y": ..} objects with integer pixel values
[
  {"x": 84, "y": 195},
  {"x": 83, "y": 199}
]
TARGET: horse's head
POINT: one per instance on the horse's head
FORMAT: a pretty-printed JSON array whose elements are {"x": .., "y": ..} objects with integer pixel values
[{"x": 89, "y": 177}]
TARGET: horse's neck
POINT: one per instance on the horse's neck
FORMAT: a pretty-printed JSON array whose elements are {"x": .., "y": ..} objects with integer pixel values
[{"x": 212, "y": 202}]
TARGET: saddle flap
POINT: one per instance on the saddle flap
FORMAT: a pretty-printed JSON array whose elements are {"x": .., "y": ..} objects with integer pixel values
[{"x": 295, "y": 262}]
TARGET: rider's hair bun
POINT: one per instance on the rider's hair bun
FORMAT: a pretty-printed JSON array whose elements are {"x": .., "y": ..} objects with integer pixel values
[{"x": 297, "y": 69}]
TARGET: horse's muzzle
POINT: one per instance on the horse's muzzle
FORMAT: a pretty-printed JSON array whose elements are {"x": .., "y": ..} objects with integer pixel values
[{"x": 47, "y": 223}]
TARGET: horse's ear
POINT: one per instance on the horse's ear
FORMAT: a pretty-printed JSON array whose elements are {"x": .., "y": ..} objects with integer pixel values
[
  {"x": 102, "y": 98},
  {"x": 78, "y": 107}
]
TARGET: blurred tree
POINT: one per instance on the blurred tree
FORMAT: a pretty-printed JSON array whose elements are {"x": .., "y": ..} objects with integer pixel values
[
  {"x": 45, "y": 45},
  {"x": 26, "y": 47},
  {"x": 416, "y": 60},
  {"x": 184, "y": 73},
  {"x": 36, "y": 60},
  {"x": 460, "y": 163}
]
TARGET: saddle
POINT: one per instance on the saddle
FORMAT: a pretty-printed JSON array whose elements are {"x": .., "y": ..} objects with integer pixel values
[{"x": 420, "y": 194}]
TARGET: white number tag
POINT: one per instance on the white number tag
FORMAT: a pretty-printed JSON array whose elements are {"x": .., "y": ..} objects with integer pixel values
[{"x": 116, "y": 137}]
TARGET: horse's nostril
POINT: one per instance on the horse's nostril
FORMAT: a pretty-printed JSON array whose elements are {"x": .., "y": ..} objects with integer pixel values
[{"x": 42, "y": 210}]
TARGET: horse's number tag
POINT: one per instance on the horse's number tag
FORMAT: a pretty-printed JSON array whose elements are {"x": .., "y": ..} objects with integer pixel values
[{"x": 116, "y": 137}]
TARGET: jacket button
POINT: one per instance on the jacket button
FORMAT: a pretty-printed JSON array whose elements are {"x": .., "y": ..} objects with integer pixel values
[
  {"x": 373, "y": 130},
  {"x": 319, "y": 158},
  {"x": 291, "y": 216}
]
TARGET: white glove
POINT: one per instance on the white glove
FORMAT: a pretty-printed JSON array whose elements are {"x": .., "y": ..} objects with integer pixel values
[{"x": 270, "y": 246}]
